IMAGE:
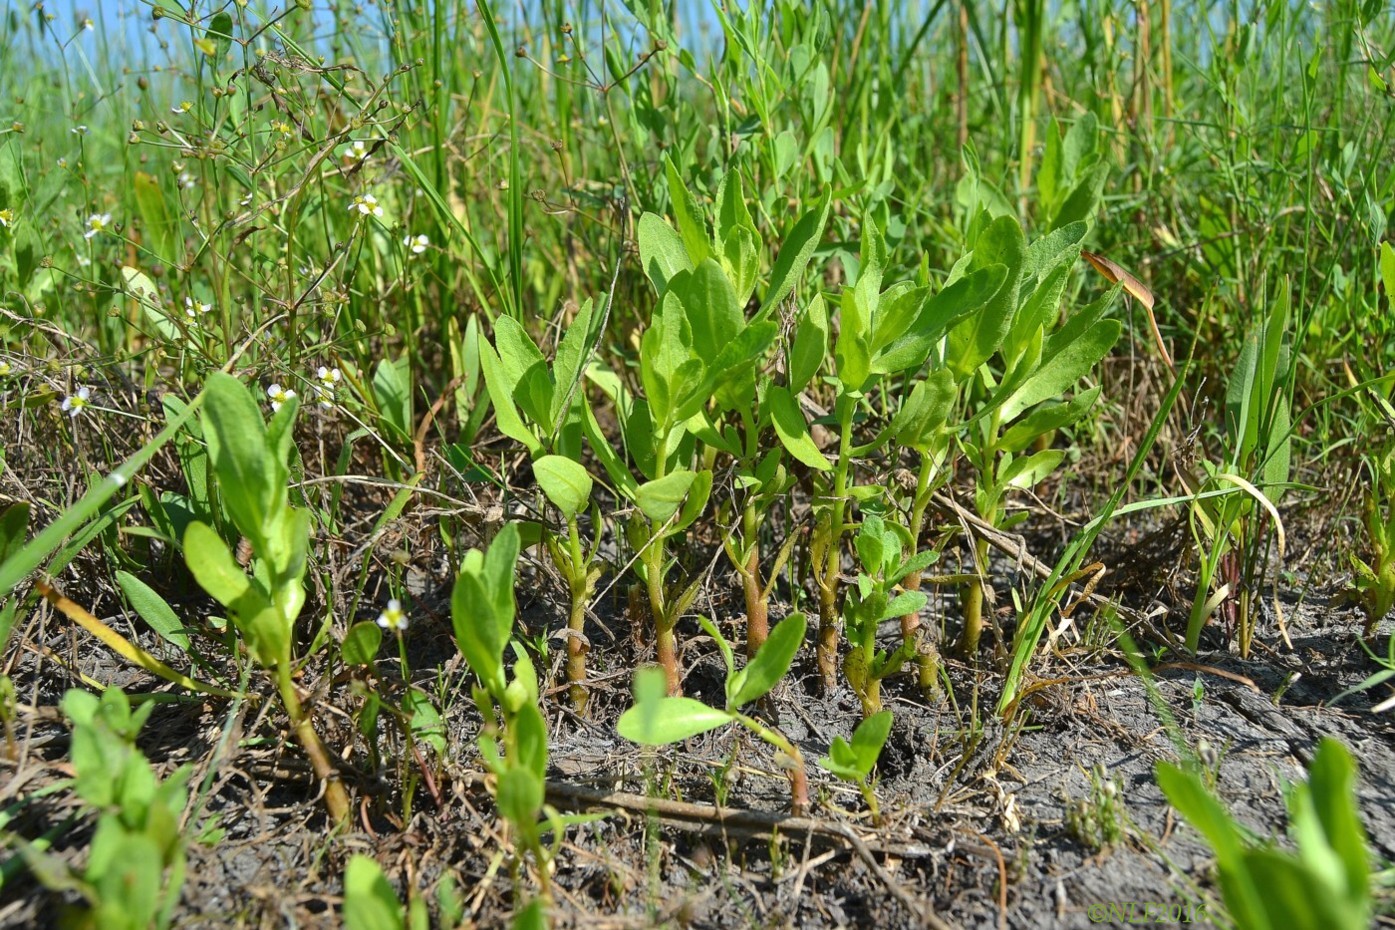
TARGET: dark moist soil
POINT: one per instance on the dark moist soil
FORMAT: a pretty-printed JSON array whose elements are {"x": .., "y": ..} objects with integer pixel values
[{"x": 985, "y": 824}]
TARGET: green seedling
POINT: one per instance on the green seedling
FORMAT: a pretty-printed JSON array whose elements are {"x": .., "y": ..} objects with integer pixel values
[
  {"x": 371, "y": 904},
  {"x": 513, "y": 739},
  {"x": 542, "y": 406},
  {"x": 1098, "y": 820},
  {"x": 1230, "y": 529},
  {"x": 853, "y": 761},
  {"x": 1325, "y": 885},
  {"x": 747, "y": 404},
  {"x": 921, "y": 424},
  {"x": 882, "y": 332},
  {"x": 136, "y": 859},
  {"x": 252, "y": 461},
  {"x": 1016, "y": 401},
  {"x": 699, "y": 345},
  {"x": 873, "y": 600},
  {"x": 568, "y": 486},
  {"x": 658, "y": 718}
]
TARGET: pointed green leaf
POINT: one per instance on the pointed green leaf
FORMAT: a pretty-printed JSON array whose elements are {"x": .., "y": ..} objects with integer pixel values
[
  {"x": 795, "y": 253},
  {"x": 792, "y": 430},
  {"x": 868, "y": 740},
  {"x": 974, "y": 340},
  {"x": 710, "y": 306},
  {"x": 661, "y": 498},
  {"x": 770, "y": 663},
  {"x": 1069, "y": 365},
  {"x": 810, "y": 345},
  {"x": 687, "y": 212},
  {"x": 661, "y": 251},
  {"x": 153, "y": 609}
]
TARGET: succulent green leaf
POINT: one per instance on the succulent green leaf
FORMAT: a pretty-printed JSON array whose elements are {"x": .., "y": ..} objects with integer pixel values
[
  {"x": 669, "y": 720},
  {"x": 566, "y": 483},
  {"x": 660, "y": 499}
]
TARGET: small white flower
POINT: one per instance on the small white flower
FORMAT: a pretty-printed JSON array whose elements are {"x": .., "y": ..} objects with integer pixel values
[
  {"x": 186, "y": 180},
  {"x": 366, "y": 205},
  {"x": 74, "y": 403},
  {"x": 97, "y": 223},
  {"x": 63, "y": 163},
  {"x": 193, "y": 308},
  {"x": 7, "y": 218},
  {"x": 328, "y": 379},
  {"x": 357, "y": 151},
  {"x": 394, "y": 617},
  {"x": 279, "y": 396},
  {"x": 88, "y": 24},
  {"x": 184, "y": 106},
  {"x": 417, "y": 244},
  {"x": 79, "y": 130}
]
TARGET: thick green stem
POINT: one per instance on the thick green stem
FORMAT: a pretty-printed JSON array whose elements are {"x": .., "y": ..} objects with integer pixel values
[
  {"x": 870, "y": 797},
  {"x": 665, "y": 644},
  {"x": 757, "y": 610},
  {"x": 827, "y": 650},
  {"x": 336, "y": 798},
  {"x": 576, "y": 620},
  {"x": 973, "y": 606}
]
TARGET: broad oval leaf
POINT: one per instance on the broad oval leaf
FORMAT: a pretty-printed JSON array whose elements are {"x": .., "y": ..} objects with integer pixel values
[
  {"x": 361, "y": 643},
  {"x": 659, "y": 499},
  {"x": 669, "y": 720},
  {"x": 565, "y": 482},
  {"x": 661, "y": 251}
]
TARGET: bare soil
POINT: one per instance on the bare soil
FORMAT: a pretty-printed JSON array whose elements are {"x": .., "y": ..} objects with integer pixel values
[{"x": 977, "y": 830}]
